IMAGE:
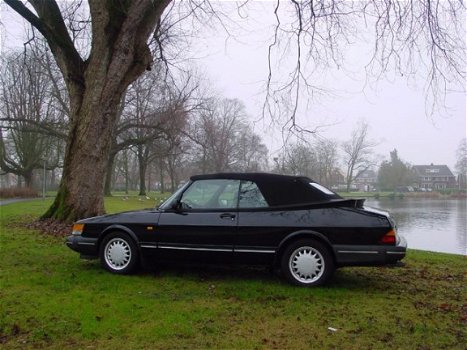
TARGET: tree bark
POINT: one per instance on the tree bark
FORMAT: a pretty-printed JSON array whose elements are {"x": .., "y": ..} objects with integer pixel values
[{"x": 80, "y": 193}]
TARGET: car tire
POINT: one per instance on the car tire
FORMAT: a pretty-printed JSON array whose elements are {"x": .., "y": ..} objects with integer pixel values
[
  {"x": 307, "y": 263},
  {"x": 119, "y": 253}
]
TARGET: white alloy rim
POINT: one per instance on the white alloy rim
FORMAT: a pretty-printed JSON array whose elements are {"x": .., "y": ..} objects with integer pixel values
[
  {"x": 306, "y": 264},
  {"x": 117, "y": 253}
]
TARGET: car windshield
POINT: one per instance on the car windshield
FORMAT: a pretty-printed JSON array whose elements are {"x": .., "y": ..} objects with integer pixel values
[{"x": 169, "y": 202}]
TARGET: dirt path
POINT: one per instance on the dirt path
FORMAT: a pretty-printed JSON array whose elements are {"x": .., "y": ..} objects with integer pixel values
[{"x": 15, "y": 200}]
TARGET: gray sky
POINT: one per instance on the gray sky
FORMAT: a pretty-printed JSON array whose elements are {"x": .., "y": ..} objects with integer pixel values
[{"x": 395, "y": 108}]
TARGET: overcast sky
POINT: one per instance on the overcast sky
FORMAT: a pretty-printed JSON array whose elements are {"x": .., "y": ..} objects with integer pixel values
[{"x": 394, "y": 108}]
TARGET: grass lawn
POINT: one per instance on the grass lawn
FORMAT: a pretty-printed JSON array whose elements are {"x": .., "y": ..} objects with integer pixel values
[{"x": 51, "y": 299}]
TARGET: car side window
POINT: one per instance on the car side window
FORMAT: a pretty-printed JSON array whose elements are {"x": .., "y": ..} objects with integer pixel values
[
  {"x": 250, "y": 196},
  {"x": 211, "y": 194}
]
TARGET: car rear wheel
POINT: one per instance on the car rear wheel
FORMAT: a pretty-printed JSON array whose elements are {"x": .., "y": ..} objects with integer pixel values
[
  {"x": 119, "y": 253},
  {"x": 307, "y": 263}
]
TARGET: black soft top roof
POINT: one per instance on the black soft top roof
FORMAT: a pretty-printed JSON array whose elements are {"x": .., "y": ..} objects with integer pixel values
[{"x": 278, "y": 190}]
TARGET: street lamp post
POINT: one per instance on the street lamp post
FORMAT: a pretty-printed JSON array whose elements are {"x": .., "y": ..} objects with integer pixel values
[{"x": 43, "y": 183}]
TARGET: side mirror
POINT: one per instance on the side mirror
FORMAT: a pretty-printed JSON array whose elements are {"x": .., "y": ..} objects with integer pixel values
[{"x": 177, "y": 206}]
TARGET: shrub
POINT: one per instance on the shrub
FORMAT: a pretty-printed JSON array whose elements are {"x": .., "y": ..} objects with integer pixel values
[{"x": 15, "y": 192}]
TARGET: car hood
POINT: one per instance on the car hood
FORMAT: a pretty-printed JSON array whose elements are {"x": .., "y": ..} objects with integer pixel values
[{"x": 127, "y": 216}]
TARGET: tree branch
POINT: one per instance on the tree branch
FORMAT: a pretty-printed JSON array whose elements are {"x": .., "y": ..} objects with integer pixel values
[{"x": 49, "y": 22}]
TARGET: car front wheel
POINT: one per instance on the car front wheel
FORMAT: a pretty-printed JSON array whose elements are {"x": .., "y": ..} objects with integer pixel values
[
  {"x": 307, "y": 263},
  {"x": 119, "y": 253}
]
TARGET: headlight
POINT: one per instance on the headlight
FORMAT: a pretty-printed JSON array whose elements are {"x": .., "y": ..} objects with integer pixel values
[{"x": 77, "y": 229}]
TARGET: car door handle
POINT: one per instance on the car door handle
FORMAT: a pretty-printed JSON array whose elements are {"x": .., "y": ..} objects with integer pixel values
[{"x": 227, "y": 216}]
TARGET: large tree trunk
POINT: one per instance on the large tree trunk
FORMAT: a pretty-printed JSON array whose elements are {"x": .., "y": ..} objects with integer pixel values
[
  {"x": 28, "y": 178},
  {"x": 81, "y": 190}
]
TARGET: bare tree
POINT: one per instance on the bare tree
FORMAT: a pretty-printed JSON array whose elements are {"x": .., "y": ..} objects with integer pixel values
[
  {"x": 327, "y": 160},
  {"x": 298, "y": 159},
  {"x": 172, "y": 149},
  {"x": 152, "y": 116},
  {"x": 461, "y": 163},
  {"x": 29, "y": 116},
  {"x": 358, "y": 152},
  {"x": 250, "y": 151},
  {"x": 214, "y": 131},
  {"x": 317, "y": 160},
  {"x": 144, "y": 117},
  {"x": 223, "y": 140}
]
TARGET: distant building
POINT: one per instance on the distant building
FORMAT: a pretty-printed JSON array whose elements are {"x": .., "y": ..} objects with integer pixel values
[
  {"x": 434, "y": 177},
  {"x": 366, "y": 181}
]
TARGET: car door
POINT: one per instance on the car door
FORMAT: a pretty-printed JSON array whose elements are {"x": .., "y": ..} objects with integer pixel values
[
  {"x": 258, "y": 233},
  {"x": 203, "y": 225}
]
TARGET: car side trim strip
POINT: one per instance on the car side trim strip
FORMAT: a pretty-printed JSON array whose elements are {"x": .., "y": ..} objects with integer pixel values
[
  {"x": 86, "y": 243},
  {"x": 254, "y": 251},
  {"x": 148, "y": 246},
  {"x": 392, "y": 252},
  {"x": 266, "y": 251},
  {"x": 195, "y": 248},
  {"x": 358, "y": 251}
]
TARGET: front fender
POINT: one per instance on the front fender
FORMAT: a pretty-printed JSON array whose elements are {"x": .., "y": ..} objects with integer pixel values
[{"x": 121, "y": 228}]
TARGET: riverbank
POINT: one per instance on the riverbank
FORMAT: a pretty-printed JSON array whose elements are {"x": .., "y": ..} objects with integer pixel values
[
  {"x": 51, "y": 299},
  {"x": 446, "y": 194}
]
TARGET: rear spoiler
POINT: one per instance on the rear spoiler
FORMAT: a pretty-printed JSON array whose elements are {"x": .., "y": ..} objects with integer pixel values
[{"x": 352, "y": 203}]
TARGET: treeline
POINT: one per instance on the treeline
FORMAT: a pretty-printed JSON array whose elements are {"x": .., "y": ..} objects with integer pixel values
[{"x": 168, "y": 129}]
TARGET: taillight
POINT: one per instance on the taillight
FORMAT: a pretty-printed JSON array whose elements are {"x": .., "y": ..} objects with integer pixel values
[{"x": 389, "y": 238}]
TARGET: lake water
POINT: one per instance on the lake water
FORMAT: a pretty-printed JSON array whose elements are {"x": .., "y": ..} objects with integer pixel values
[{"x": 429, "y": 224}]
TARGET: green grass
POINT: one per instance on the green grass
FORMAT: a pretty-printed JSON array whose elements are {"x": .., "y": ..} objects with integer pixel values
[{"x": 51, "y": 299}]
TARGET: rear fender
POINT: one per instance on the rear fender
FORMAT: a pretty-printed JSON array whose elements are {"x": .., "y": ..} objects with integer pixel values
[{"x": 302, "y": 234}]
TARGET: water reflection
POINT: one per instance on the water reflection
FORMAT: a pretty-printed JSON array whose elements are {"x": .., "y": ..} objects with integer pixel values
[{"x": 429, "y": 224}]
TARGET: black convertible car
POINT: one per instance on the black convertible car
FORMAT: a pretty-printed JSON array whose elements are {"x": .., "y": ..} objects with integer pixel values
[{"x": 288, "y": 222}]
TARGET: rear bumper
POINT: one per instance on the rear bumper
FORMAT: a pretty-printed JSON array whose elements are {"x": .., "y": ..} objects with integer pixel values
[
  {"x": 354, "y": 255},
  {"x": 87, "y": 247}
]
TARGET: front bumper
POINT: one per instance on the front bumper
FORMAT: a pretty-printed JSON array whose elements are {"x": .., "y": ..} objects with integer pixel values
[
  {"x": 87, "y": 247},
  {"x": 354, "y": 255}
]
